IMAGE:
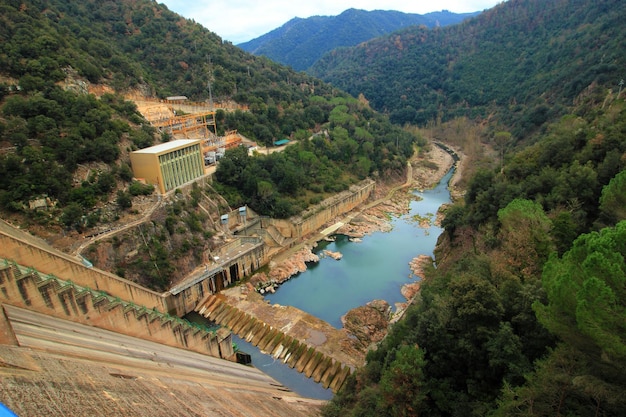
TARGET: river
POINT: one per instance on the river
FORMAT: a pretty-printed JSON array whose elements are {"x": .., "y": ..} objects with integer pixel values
[{"x": 375, "y": 268}]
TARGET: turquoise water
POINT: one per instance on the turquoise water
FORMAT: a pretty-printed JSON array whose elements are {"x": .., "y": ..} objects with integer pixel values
[{"x": 375, "y": 268}]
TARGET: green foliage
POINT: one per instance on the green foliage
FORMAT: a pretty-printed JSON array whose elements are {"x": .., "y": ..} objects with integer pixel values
[
  {"x": 585, "y": 308},
  {"x": 565, "y": 172},
  {"x": 136, "y": 188},
  {"x": 125, "y": 172},
  {"x": 586, "y": 291},
  {"x": 31, "y": 173},
  {"x": 143, "y": 138},
  {"x": 565, "y": 383},
  {"x": 72, "y": 216},
  {"x": 521, "y": 61},
  {"x": 613, "y": 199},
  {"x": 280, "y": 184},
  {"x": 142, "y": 44},
  {"x": 69, "y": 129},
  {"x": 475, "y": 328},
  {"x": 157, "y": 265},
  {"x": 474, "y": 320},
  {"x": 401, "y": 386},
  {"x": 124, "y": 200},
  {"x": 525, "y": 237}
]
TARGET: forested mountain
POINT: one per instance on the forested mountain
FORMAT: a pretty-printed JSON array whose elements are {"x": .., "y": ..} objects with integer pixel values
[
  {"x": 525, "y": 312},
  {"x": 300, "y": 42},
  {"x": 523, "y": 59},
  {"x": 52, "y": 53}
]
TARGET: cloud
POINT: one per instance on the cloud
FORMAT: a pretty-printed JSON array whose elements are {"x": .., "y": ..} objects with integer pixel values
[{"x": 242, "y": 20}]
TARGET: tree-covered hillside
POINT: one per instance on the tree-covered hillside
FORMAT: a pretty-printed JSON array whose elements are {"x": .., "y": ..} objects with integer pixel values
[
  {"x": 53, "y": 53},
  {"x": 524, "y": 61},
  {"x": 525, "y": 313},
  {"x": 301, "y": 42}
]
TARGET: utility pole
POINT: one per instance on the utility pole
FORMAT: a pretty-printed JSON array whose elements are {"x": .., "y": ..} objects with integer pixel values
[{"x": 209, "y": 83}]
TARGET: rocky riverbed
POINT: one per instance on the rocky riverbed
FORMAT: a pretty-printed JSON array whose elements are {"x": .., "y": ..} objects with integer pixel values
[{"x": 366, "y": 325}]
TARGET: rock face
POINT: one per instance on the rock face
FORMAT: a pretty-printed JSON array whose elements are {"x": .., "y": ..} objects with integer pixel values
[
  {"x": 418, "y": 264},
  {"x": 283, "y": 271},
  {"x": 368, "y": 323},
  {"x": 366, "y": 223},
  {"x": 335, "y": 255},
  {"x": 411, "y": 289}
]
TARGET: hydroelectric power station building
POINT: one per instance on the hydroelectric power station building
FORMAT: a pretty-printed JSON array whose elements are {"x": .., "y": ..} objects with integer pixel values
[{"x": 169, "y": 165}]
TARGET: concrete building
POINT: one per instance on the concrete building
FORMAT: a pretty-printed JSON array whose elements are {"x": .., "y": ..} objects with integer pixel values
[{"x": 169, "y": 165}]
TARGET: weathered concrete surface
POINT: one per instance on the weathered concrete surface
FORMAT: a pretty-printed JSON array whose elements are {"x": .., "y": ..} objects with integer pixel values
[
  {"x": 303, "y": 342},
  {"x": 26, "y": 288},
  {"x": 29, "y": 251},
  {"x": 335, "y": 343},
  {"x": 68, "y": 369}
]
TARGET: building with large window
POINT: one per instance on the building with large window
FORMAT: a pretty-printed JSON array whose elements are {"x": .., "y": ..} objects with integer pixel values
[{"x": 169, "y": 165}]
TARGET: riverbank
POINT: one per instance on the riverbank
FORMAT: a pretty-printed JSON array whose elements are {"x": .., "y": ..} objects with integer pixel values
[
  {"x": 390, "y": 199},
  {"x": 425, "y": 171},
  {"x": 365, "y": 325}
]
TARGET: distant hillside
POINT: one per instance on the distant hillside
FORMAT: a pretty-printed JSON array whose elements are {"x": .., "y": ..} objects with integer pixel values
[
  {"x": 58, "y": 141},
  {"x": 525, "y": 59},
  {"x": 525, "y": 311},
  {"x": 301, "y": 42}
]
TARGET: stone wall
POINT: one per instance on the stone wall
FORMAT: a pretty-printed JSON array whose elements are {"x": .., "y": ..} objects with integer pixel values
[{"x": 317, "y": 216}]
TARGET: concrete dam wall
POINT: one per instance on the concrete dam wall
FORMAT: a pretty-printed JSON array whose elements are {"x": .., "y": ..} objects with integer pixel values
[
  {"x": 297, "y": 354},
  {"x": 47, "y": 294},
  {"x": 40, "y": 278}
]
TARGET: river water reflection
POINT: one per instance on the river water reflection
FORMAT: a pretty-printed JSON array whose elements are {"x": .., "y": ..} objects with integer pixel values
[{"x": 375, "y": 268}]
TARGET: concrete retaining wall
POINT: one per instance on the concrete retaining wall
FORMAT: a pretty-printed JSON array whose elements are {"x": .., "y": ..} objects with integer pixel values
[
  {"x": 30, "y": 289},
  {"x": 316, "y": 217},
  {"x": 65, "y": 267}
]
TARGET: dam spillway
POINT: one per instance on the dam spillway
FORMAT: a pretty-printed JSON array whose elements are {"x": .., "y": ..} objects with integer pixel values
[{"x": 310, "y": 355}]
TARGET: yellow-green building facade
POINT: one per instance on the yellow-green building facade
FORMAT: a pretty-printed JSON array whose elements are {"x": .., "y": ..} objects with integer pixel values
[{"x": 169, "y": 165}]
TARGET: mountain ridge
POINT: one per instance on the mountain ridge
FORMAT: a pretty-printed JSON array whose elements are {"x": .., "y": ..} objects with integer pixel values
[
  {"x": 301, "y": 41},
  {"x": 531, "y": 56}
]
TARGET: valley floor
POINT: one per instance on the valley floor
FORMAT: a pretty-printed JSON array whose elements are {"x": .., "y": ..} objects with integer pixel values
[{"x": 390, "y": 198}]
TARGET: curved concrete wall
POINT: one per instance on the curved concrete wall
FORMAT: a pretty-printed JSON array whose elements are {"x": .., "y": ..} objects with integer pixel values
[
  {"x": 29, "y": 252},
  {"x": 26, "y": 288}
]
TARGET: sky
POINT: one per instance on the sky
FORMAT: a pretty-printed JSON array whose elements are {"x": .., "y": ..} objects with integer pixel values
[{"x": 239, "y": 21}]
